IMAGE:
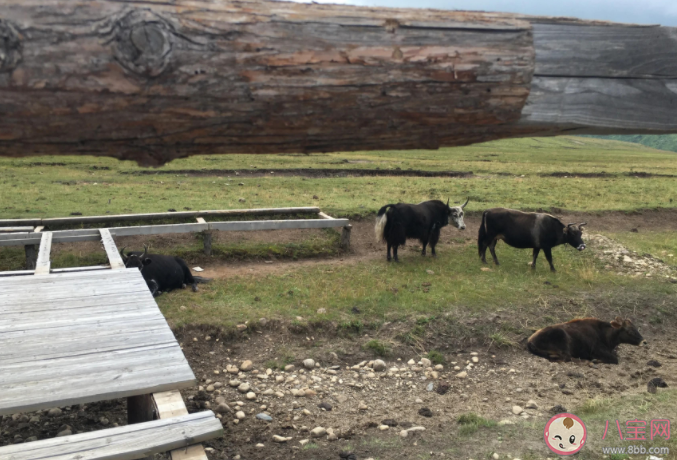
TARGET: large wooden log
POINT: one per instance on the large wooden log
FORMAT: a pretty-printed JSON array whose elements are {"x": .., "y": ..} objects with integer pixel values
[{"x": 157, "y": 80}]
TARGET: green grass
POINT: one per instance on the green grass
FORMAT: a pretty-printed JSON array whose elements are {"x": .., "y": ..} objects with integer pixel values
[
  {"x": 457, "y": 281},
  {"x": 378, "y": 347},
  {"x": 436, "y": 357},
  {"x": 511, "y": 173},
  {"x": 662, "y": 142},
  {"x": 661, "y": 244},
  {"x": 472, "y": 422}
]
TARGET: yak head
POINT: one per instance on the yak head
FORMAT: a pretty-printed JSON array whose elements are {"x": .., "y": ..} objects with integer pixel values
[
  {"x": 132, "y": 260},
  {"x": 455, "y": 214},
  {"x": 627, "y": 332},
  {"x": 574, "y": 235}
]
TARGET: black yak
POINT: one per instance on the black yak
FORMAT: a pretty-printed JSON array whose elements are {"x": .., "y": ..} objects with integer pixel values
[
  {"x": 397, "y": 222},
  {"x": 526, "y": 230}
]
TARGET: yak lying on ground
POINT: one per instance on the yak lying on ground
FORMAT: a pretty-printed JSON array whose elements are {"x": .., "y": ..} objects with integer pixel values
[
  {"x": 526, "y": 230},
  {"x": 588, "y": 338},
  {"x": 397, "y": 222},
  {"x": 162, "y": 273}
]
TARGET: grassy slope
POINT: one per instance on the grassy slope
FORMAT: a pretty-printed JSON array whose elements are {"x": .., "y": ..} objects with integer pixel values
[
  {"x": 508, "y": 173},
  {"x": 661, "y": 142}
]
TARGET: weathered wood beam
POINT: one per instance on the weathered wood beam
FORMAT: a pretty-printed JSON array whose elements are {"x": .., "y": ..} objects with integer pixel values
[{"x": 153, "y": 81}]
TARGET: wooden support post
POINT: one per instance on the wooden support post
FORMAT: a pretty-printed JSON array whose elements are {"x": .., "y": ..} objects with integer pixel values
[
  {"x": 141, "y": 409},
  {"x": 206, "y": 238},
  {"x": 43, "y": 264},
  {"x": 345, "y": 237},
  {"x": 170, "y": 404},
  {"x": 32, "y": 251}
]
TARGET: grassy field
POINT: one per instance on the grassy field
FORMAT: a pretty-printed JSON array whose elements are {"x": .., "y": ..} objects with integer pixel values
[
  {"x": 659, "y": 244},
  {"x": 514, "y": 173}
]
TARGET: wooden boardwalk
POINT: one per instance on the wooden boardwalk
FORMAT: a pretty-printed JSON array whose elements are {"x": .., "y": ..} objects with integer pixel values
[{"x": 75, "y": 338}]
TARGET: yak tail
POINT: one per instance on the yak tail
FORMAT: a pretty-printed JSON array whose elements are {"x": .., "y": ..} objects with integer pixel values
[
  {"x": 201, "y": 279},
  {"x": 381, "y": 221},
  {"x": 482, "y": 234}
]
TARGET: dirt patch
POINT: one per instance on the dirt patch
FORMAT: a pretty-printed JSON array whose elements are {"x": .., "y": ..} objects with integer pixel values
[
  {"x": 638, "y": 174},
  {"x": 626, "y": 262},
  {"x": 362, "y": 399},
  {"x": 323, "y": 173}
]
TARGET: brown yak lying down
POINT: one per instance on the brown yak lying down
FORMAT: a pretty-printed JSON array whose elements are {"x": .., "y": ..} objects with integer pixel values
[{"x": 587, "y": 338}]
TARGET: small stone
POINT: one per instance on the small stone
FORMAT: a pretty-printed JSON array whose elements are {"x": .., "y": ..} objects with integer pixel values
[
  {"x": 653, "y": 363},
  {"x": 222, "y": 408},
  {"x": 242, "y": 327},
  {"x": 379, "y": 365},
  {"x": 411, "y": 362},
  {"x": 495, "y": 456},
  {"x": 321, "y": 311},
  {"x": 430, "y": 272},
  {"x": 404, "y": 433},
  {"x": 425, "y": 362},
  {"x": 235, "y": 383},
  {"x": 240, "y": 415},
  {"x": 531, "y": 404},
  {"x": 362, "y": 406},
  {"x": 475, "y": 359},
  {"x": 54, "y": 412},
  {"x": 244, "y": 388},
  {"x": 439, "y": 367},
  {"x": 260, "y": 446},
  {"x": 325, "y": 406},
  {"x": 317, "y": 432},
  {"x": 246, "y": 366},
  {"x": 430, "y": 387},
  {"x": 332, "y": 437},
  {"x": 251, "y": 396},
  {"x": 309, "y": 363},
  {"x": 383, "y": 427},
  {"x": 462, "y": 375},
  {"x": 289, "y": 368},
  {"x": 232, "y": 369},
  {"x": 277, "y": 438},
  {"x": 517, "y": 410},
  {"x": 104, "y": 421},
  {"x": 303, "y": 442},
  {"x": 66, "y": 432},
  {"x": 505, "y": 422},
  {"x": 210, "y": 388}
]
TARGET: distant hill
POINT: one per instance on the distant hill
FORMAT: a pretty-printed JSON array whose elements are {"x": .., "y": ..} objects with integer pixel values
[{"x": 662, "y": 142}]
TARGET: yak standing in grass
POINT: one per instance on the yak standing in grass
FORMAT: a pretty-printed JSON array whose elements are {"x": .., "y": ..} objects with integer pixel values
[
  {"x": 526, "y": 230},
  {"x": 589, "y": 338},
  {"x": 162, "y": 273},
  {"x": 397, "y": 222}
]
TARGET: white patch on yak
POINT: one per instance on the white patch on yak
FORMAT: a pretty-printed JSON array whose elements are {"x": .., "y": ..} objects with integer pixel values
[
  {"x": 456, "y": 217},
  {"x": 535, "y": 230},
  {"x": 380, "y": 226}
]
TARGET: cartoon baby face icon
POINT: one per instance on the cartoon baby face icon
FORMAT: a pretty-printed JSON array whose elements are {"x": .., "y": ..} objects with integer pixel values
[{"x": 565, "y": 434}]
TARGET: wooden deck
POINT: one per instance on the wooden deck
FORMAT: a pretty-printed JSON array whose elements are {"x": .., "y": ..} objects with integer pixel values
[{"x": 75, "y": 338}]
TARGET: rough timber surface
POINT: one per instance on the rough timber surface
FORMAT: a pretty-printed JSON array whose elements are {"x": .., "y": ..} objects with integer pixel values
[
  {"x": 75, "y": 338},
  {"x": 153, "y": 81},
  {"x": 122, "y": 443}
]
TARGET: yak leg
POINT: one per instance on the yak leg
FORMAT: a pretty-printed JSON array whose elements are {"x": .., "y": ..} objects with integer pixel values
[
  {"x": 434, "y": 238},
  {"x": 492, "y": 248},
  {"x": 482, "y": 248},
  {"x": 395, "y": 253},
  {"x": 154, "y": 287},
  {"x": 388, "y": 252},
  {"x": 425, "y": 243},
  {"x": 548, "y": 255},
  {"x": 603, "y": 356},
  {"x": 533, "y": 262}
]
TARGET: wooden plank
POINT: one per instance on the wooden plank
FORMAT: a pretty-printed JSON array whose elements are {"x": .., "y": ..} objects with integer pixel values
[
  {"x": 15, "y": 229},
  {"x": 39, "y": 228},
  {"x": 158, "y": 229},
  {"x": 324, "y": 216},
  {"x": 43, "y": 263},
  {"x": 601, "y": 105},
  {"x": 74, "y": 338},
  {"x": 241, "y": 226},
  {"x": 170, "y": 404},
  {"x": 128, "y": 442},
  {"x": 201, "y": 220},
  {"x": 114, "y": 258},
  {"x": 158, "y": 216}
]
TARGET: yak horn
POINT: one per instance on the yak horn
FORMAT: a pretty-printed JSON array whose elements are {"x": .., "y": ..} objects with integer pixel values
[
  {"x": 145, "y": 250},
  {"x": 122, "y": 253},
  {"x": 447, "y": 202},
  {"x": 580, "y": 225},
  {"x": 466, "y": 202}
]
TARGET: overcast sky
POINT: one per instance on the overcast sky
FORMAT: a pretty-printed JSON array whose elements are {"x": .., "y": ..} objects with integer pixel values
[{"x": 662, "y": 12}]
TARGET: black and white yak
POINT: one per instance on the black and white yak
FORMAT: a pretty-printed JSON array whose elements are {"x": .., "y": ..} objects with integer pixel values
[
  {"x": 397, "y": 222},
  {"x": 162, "y": 273},
  {"x": 526, "y": 230}
]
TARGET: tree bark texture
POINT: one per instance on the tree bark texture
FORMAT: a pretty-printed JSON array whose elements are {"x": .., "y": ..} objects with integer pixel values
[{"x": 156, "y": 80}]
